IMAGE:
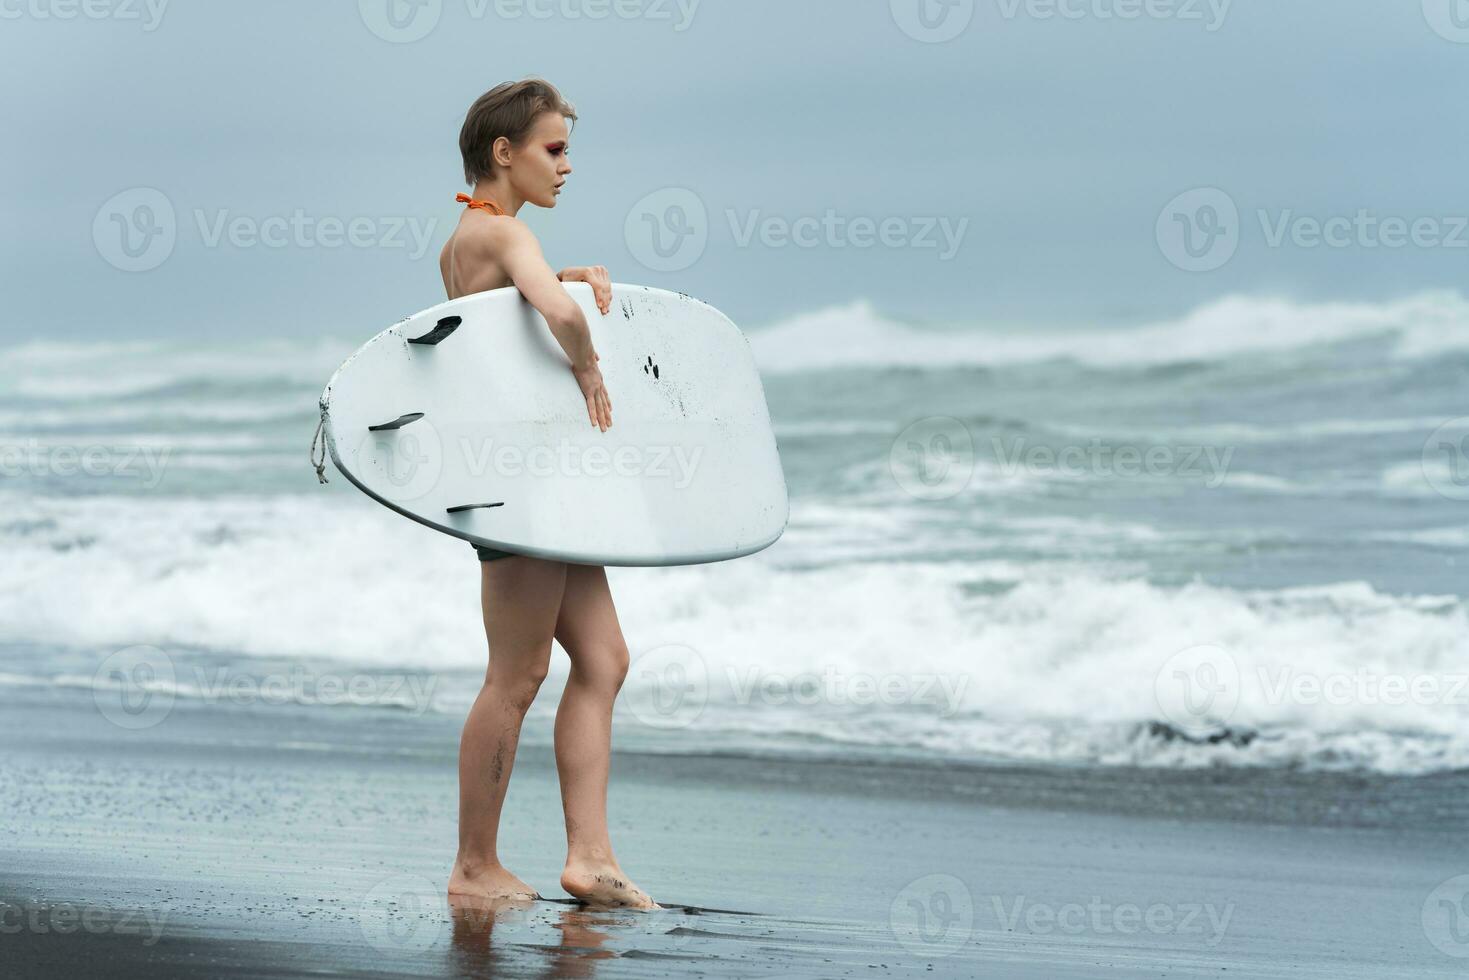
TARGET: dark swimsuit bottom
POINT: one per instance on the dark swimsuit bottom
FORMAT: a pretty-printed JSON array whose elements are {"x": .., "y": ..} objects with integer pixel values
[{"x": 490, "y": 554}]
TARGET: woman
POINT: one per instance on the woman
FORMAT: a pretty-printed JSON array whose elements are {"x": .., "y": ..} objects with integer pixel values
[{"x": 514, "y": 143}]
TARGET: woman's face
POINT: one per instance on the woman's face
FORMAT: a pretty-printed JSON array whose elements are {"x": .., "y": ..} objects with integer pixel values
[{"x": 539, "y": 167}]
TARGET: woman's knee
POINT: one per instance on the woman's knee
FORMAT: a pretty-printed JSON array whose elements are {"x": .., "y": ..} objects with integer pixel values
[
  {"x": 617, "y": 664},
  {"x": 520, "y": 684},
  {"x": 604, "y": 667}
]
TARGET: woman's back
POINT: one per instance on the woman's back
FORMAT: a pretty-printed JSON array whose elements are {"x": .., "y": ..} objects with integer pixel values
[{"x": 468, "y": 262}]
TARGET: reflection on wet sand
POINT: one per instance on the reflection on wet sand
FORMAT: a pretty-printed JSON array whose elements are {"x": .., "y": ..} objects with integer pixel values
[{"x": 474, "y": 953}]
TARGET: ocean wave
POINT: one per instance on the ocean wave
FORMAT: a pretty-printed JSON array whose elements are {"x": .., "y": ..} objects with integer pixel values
[
  {"x": 1454, "y": 538},
  {"x": 58, "y": 373},
  {"x": 97, "y": 413},
  {"x": 847, "y": 336},
  {"x": 820, "y": 428},
  {"x": 1422, "y": 478},
  {"x": 1235, "y": 433},
  {"x": 1033, "y": 661},
  {"x": 857, "y": 335},
  {"x": 1153, "y": 744}
]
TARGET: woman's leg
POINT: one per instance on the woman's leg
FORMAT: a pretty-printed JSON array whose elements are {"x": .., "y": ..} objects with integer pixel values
[
  {"x": 520, "y": 598},
  {"x": 588, "y": 629}
]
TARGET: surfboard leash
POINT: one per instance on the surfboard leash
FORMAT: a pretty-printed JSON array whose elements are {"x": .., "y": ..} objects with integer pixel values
[{"x": 320, "y": 467}]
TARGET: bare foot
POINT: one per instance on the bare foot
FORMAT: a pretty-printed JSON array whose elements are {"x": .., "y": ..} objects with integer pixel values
[
  {"x": 488, "y": 881},
  {"x": 605, "y": 886}
]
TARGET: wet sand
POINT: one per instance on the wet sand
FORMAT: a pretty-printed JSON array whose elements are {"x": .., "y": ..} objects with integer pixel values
[{"x": 281, "y": 841}]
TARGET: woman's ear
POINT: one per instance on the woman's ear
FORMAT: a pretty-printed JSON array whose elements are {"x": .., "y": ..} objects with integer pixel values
[{"x": 500, "y": 151}]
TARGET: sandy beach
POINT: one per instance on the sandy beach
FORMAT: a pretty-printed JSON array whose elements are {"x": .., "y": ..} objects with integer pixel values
[
  {"x": 276, "y": 841},
  {"x": 1115, "y": 354}
]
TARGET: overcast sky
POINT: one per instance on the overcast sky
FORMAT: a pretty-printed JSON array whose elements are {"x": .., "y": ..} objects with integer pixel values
[{"x": 282, "y": 167}]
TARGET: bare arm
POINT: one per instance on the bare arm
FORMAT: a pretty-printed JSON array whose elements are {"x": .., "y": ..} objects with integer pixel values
[{"x": 519, "y": 254}]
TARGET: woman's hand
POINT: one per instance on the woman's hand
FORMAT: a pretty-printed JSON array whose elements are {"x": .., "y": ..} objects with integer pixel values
[
  {"x": 596, "y": 277},
  {"x": 599, "y": 406},
  {"x": 589, "y": 376}
]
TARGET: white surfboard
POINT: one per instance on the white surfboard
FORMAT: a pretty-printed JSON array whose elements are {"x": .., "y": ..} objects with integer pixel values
[{"x": 466, "y": 418}]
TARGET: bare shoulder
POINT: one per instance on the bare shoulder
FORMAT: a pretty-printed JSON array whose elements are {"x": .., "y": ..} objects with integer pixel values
[
  {"x": 482, "y": 251},
  {"x": 488, "y": 234}
]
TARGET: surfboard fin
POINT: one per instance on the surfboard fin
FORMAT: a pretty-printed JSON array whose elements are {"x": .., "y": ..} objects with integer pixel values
[
  {"x": 441, "y": 330},
  {"x": 464, "y": 507},
  {"x": 397, "y": 423}
]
